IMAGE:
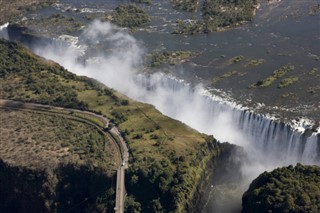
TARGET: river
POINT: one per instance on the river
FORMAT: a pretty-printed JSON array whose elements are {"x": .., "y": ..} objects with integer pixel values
[{"x": 281, "y": 34}]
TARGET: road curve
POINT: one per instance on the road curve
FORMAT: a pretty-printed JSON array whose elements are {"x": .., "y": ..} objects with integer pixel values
[{"x": 113, "y": 132}]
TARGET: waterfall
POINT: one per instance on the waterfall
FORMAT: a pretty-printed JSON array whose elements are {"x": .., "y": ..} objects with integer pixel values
[
  {"x": 279, "y": 142},
  {"x": 4, "y": 31},
  {"x": 272, "y": 142},
  {"x": 269, "y": 143}
]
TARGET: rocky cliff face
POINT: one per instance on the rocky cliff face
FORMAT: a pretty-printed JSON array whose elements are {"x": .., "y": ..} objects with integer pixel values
[{"x": 218, "y": 167}]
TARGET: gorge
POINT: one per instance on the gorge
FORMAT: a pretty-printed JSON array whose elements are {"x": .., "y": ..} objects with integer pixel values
[{"x": 115, "y": 58}]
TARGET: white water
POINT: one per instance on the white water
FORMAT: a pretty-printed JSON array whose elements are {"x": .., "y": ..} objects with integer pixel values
[
  {"x": 269, "y": 144},
  {"x": 4, "y": 31}
]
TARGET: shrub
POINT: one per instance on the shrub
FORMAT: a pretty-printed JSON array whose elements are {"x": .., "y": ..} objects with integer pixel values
[
  {"x": 130, "y": 16},
  {"x": 287, "y": 81}
]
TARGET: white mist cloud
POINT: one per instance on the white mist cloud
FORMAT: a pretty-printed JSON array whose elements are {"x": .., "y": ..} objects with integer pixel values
[
  {"x": 114, "y": 58},
  {"x": 116, "y": 64}
]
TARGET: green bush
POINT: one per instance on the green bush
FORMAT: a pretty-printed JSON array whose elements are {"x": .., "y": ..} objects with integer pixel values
[
  {"x": 224, "y": 13},
  {"x": 287, "y": 81},
  {"x": 130, "y": 16},
  {"x": 279, "y": 73},
  {"x": 187, "y": 5}
]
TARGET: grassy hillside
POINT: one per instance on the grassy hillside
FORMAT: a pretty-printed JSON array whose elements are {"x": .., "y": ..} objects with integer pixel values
[{"x": 167, "y": 158}]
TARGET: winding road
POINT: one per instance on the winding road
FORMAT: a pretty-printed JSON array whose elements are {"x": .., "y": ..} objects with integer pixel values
[{"x": 112, "y": 134}]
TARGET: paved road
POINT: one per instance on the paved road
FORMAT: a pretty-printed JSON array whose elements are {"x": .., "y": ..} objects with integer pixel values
[
  {"x": 120, "y": 190},
  {"x": 114, "y": 132}
]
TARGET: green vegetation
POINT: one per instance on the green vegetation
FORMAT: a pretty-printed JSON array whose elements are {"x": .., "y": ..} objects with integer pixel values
[
  {"x": 171, "y": 58},
  {"x": 142, "y": 1},
  {"x": 224, "y": 13},
  {"x": 225, "y": 75},
  {"x": 188, "y": 27},
  {"x": 314, "y": 72},
  {"x": 281, "y": 72},
  {"x": 287, "y": 81},
  {"x": 52, "y": 25},
  {"x": 216, "y": 15},
  {"x": 67, "y": 140},
  {"x": 237, "y": 59},
  {"x": 265, "y": 83},
  {"x": 167, "y": 158},
  {"x": 255, "y": 62},
  {"x": 275, "y": 75},
  {"x": 89, "y": 118},
  {"x": 187, "y": 5},
  {"x": 15, "y": 9},
  {"x": 130, "y": 16},
  {"x": 287, "y": 95},
  {"x": 314, "y": 10},
  {"x": 24, "y": 78},
  {"x": 287, "y": 189},
  {"x": 67, "y": 188}
]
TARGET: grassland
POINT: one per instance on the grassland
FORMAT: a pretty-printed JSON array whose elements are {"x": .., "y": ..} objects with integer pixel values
[
  {"x": 65, "y": 141},
  {"x": 167, "y": 158},
  {"x": 52, "y": 160}
]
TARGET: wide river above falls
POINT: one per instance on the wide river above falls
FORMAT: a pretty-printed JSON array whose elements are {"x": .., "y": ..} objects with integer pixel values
[{"x": 282, "y": 33}]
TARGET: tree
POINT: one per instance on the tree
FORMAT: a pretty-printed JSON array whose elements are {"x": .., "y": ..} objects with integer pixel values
[{"x": 132, "y": 206}]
